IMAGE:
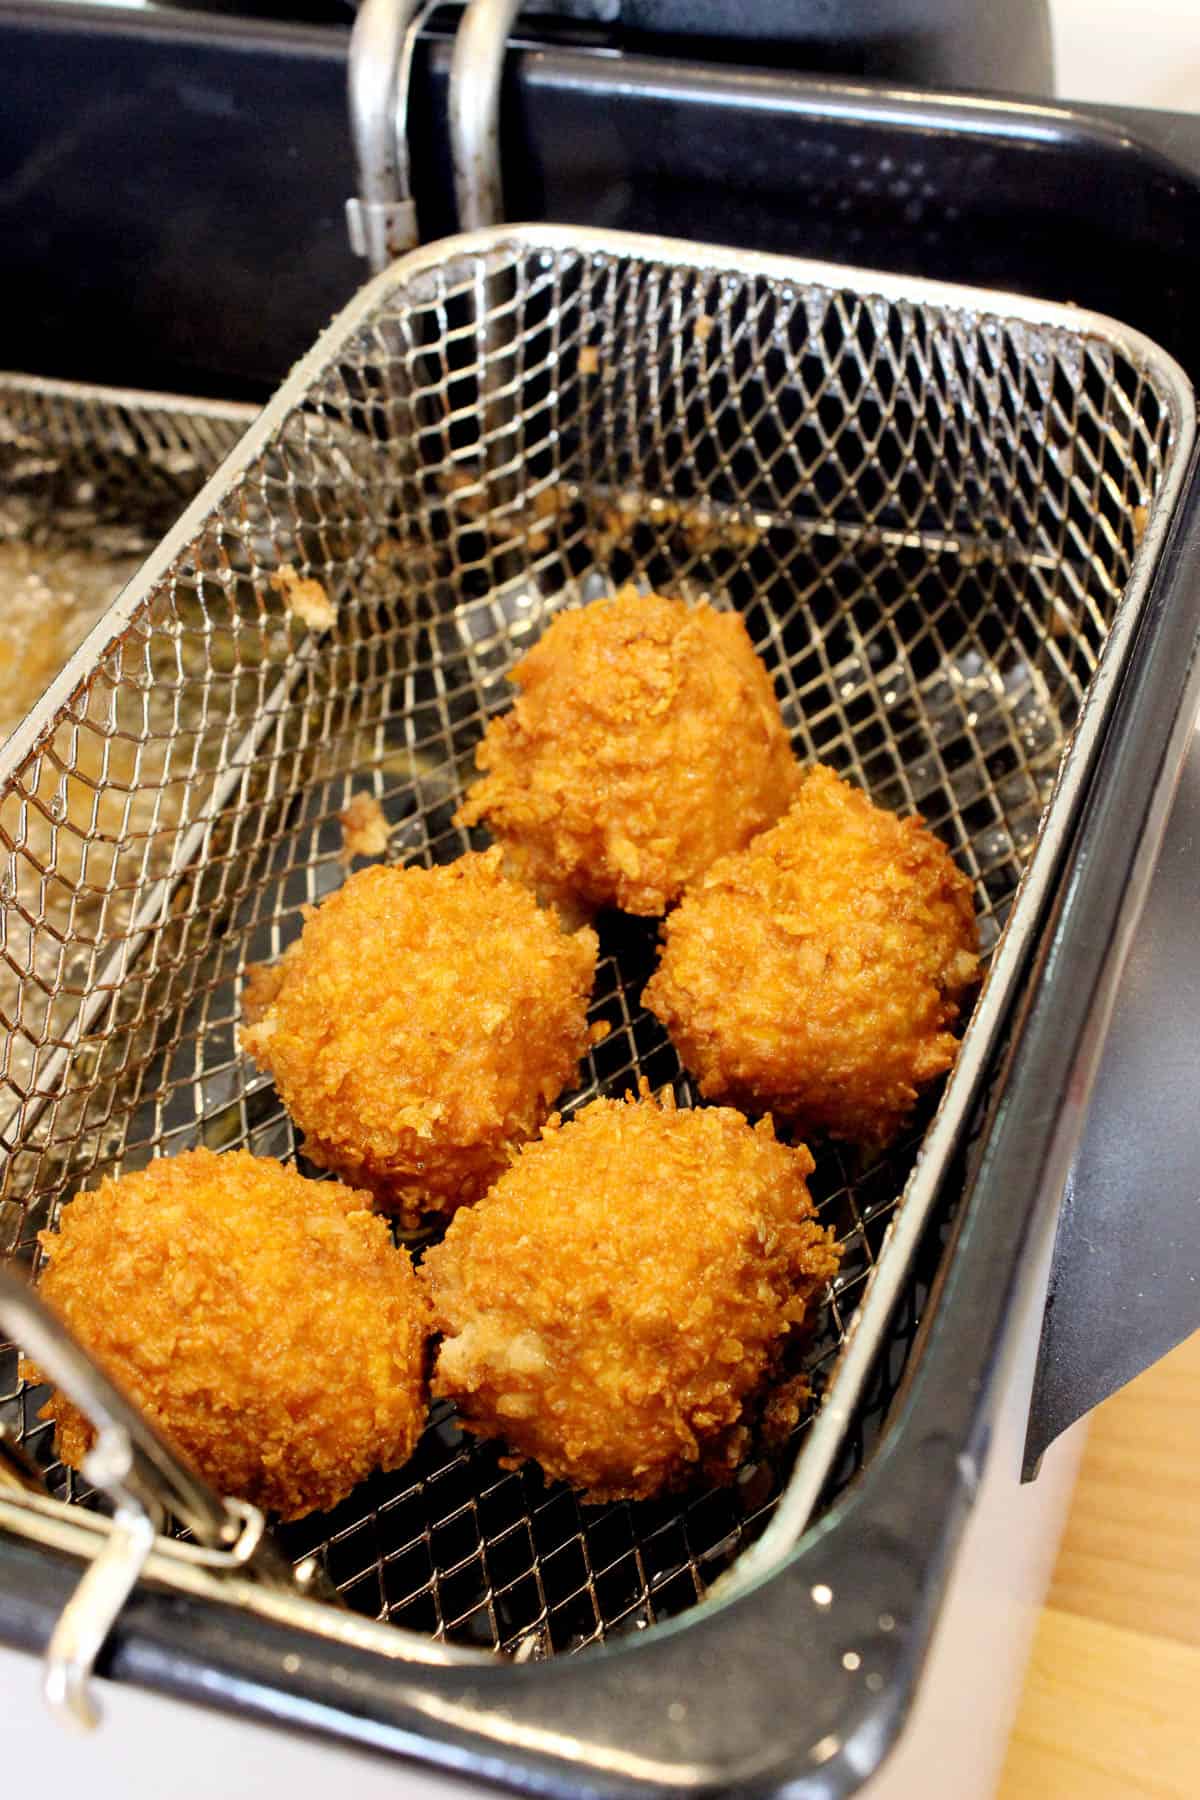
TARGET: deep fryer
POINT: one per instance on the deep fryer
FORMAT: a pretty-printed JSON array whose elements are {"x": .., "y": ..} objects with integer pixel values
[
  {"x": 1006, "y": 1119},
  {"x": 936, "y": 510}
]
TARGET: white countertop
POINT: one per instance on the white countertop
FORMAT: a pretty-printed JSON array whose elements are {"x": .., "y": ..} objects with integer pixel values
[{"x": 1132, "y": 54}]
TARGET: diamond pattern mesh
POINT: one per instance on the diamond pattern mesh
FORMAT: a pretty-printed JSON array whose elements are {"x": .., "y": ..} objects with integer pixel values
[{"x": 927, "y": 518}]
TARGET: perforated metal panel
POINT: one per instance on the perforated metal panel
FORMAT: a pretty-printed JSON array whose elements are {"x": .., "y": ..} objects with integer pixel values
[{"x": 927, "y": 513}]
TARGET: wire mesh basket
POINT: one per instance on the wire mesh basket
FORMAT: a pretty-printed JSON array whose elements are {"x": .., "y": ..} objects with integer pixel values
[{"x": 937, "y": 512}]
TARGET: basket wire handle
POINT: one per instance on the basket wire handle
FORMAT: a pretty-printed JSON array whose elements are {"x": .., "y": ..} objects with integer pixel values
[
  {"x": 158, "y": 1479},
  {"x": 381, "y": 218},
  {"x": 146, "y": 1479},
  {"x": 91, "y": 1612},
  {"x": 474, "y": 110}
]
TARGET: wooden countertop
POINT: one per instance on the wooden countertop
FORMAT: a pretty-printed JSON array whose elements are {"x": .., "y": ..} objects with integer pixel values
[{"x": 1111, "y": 1705}]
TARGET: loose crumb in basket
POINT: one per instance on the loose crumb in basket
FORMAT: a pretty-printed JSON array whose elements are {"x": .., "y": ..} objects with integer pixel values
[
  {"x": 624, "y": 1340},
  {"x": 782, "y": 1410},
  {"x": 1141, "y": 518},
  {"x": 1061, "y": 622},
  {"x": 466, "y": 487},
  {"x": 261, "y": 983},
  {"x": 364, "y": 829},
  {"x": 819, "y": 972},
  {"x": 395, "y": 549},
  {"x": 704, "y": 327},
  {"x": 305, "y": 598},
  {"x": 704, "y": 527},
  {"x": 589, "y": 360},
  {"x": 533, "y": 517},
  {"x": 409, "y": 555},
  {"x": 707, "y": 529},
  {"x": 547, "y": 504},
  {"x": 266, "y": 1324}
]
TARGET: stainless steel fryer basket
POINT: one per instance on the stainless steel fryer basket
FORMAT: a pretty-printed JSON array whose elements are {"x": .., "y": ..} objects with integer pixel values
[
  {"x": 937, "y": 510},
  {"x": 90, "y": 480}
]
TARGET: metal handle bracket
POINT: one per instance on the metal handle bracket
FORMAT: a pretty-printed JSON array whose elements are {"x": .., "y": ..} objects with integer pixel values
[
  {"x": 145, "y": 1479},
  {"x": 381, "y": 219},
  {"x": 93, "y": 1609},
  {"x": 381, "y": 229}
]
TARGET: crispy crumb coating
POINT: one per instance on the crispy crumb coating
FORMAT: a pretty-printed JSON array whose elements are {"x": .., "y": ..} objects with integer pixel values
[
  {"x": 645, "y": 742},
  {"x": 615, "y": 1306},
  {"x": 267, "y": 1325},
  {"x": 819, "y": 972},
  {"x": 423, "y": 1025}
]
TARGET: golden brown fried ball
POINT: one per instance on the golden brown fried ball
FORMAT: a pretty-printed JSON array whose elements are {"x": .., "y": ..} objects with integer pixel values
[
  {"x": 646, "y": 741},
  {"x": 422, "y": 1026},
  {"x": 616, "y": 1304},
  {"x": 817, "y": 973},
  {"x": 267, "y": 1325}
]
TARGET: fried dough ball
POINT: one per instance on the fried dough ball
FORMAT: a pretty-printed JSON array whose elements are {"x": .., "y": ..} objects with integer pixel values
[
  {"x": 646, "y": 741},
  {"x": 617, "y": 1303},
  {"x": 267, "y": 1325},
  {"x": 818, "y": 973},
  {"x": 422, "y": 1026}
]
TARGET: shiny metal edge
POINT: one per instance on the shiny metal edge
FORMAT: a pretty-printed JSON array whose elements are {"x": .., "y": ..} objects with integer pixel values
[
  {"x": 382, "y": 217},
  {"x": 235, "y": 412},
  {"x": 71, "y": 1530},
  {"x": 154, "y": 1476},
  {"x": 823, "y": 1443},
  {"x": 476, "y": 68},
  {"x": 158, "y": 895},
  {"x": 134, "y": 401}
]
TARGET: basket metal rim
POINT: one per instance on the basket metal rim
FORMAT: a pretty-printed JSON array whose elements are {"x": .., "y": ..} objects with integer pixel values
[
  {"x": 134, "y": 400},
  {"x": 768, "y": 1556},
  {"x": 673, "y": 252}
]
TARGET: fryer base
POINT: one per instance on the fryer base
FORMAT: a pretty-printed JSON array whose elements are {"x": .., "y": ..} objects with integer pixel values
[{"x": 960, "y": 1725}]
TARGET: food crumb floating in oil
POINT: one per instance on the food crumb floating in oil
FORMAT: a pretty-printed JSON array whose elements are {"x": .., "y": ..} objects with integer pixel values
[
  {"x": 818, "y": 974},
  {"x": 266, "y": 1324},
  {"x": 645, "y": 742},
  {"x": 364, "y": 829},
  {"x": 422, "y": 1027},
  {"x": 616, "y": 1307},
  {"x": 305, "y": 598}
]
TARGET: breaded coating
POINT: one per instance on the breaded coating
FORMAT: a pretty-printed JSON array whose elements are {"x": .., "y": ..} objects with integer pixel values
[
  {"x": 646, "y": 741},
  {"x": 424, "y": 1025},
  {"x": 615, "y": 1307},
  {"x": 267, "y": 1325},
  {"x": 818, "y": 973}
]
